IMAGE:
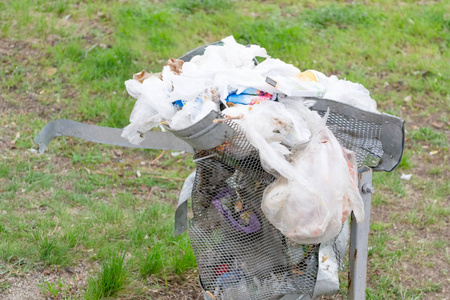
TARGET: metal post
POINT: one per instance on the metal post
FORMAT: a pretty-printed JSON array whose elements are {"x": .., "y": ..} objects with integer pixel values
[{"x": 359, "y": 241}]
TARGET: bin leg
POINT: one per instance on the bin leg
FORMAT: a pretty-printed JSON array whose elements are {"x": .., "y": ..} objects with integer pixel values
[{"x": 359, "y": 241}]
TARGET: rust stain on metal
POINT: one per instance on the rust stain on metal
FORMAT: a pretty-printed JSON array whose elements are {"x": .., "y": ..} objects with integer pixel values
[{"x": 356, "y": 254}]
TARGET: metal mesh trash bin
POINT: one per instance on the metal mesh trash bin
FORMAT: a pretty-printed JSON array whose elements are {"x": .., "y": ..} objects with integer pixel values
[{"x": 239, "y": 254}]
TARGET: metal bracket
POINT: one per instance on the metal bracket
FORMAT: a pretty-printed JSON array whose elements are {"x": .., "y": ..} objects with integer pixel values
[
  {"x": 106, "y": 135},
  {"x": 393, "y": 141},
  {"x": 181, "y": 212}
]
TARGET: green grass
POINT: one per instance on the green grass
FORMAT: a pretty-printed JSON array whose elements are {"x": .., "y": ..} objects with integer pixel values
[
  {"x": 83, "y": 202},
  {"x": 49, "y": 250},
  {"x": 152, "y": 261},
  {"x": 57, "y": 290},
  {"x": 430, "y": 136},
  {"x": 111, "y": 279}
]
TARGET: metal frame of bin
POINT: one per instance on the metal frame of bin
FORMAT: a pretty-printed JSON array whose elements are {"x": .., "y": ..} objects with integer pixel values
[
  {"x": 359, "y": 241},
  {"x": 392, "y": 140},
  {"x": 157, "y": 140}
]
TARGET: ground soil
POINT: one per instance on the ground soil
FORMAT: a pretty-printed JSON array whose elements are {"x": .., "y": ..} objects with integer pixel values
[{"x": 30, "y": 285}]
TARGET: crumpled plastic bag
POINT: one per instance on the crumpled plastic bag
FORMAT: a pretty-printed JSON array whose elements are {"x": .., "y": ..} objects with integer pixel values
[
  {"x": 277, "y": 128},
  {"x": 219, "y": 68},
  {"x": 194, "y": 111},
  {"x": 348, "y": 92},
  {"x": 228, "y": 69},
  {"x": 150, "y": 109},
  {"x": 317, "y": 185},
  {"x": 310, "y": 203}
]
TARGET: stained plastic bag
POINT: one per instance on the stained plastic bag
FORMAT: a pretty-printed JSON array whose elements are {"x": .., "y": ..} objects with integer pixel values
[
  {"x": 309, "y": 206},
  {"x": 316, "y": 187},
  {"x": 277, "y": 128}
]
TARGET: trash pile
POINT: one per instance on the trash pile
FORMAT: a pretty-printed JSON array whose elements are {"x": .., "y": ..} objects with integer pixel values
[{"x": 316, "y": 185}]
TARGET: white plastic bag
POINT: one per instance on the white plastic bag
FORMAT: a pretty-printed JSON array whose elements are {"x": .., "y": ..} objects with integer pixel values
[
  {"x": 348, "y": 92},
  {"x": 273, "y": 129},
  {"x": 152, "y": 107},
  {"x": 309, "y": 207}
]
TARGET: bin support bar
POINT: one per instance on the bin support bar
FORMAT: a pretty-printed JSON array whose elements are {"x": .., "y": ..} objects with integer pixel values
[
  {"x": 106, "y": 135},
  {"x": 359, "y": 241}
]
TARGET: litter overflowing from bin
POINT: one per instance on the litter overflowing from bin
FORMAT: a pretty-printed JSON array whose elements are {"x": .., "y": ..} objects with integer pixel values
[
  {"x": 266, "y": 100},
  {"x": 272, "y": 181},
  {"x": 227, "y": 74}
]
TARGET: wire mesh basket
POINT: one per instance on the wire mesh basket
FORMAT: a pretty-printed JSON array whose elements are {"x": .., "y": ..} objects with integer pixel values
[{"x": 239, "y": 254}]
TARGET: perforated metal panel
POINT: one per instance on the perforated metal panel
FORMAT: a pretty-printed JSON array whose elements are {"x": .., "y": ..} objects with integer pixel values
[{"x": 361, "y": 137}]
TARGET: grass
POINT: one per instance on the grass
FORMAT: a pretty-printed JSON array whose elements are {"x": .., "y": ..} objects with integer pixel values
[
  {"x": 83, "y": 202},
  {"x": 56, "y": 290},
  {"x": 152, "y": 261},
  {"x": 430, "y": 136},
  {"x": 111, "y": 279}
]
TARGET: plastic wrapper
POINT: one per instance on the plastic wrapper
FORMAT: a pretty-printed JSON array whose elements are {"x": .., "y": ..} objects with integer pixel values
[
  {"x": 249, "y": 96},
  {"x": 193, "y": 111}
]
